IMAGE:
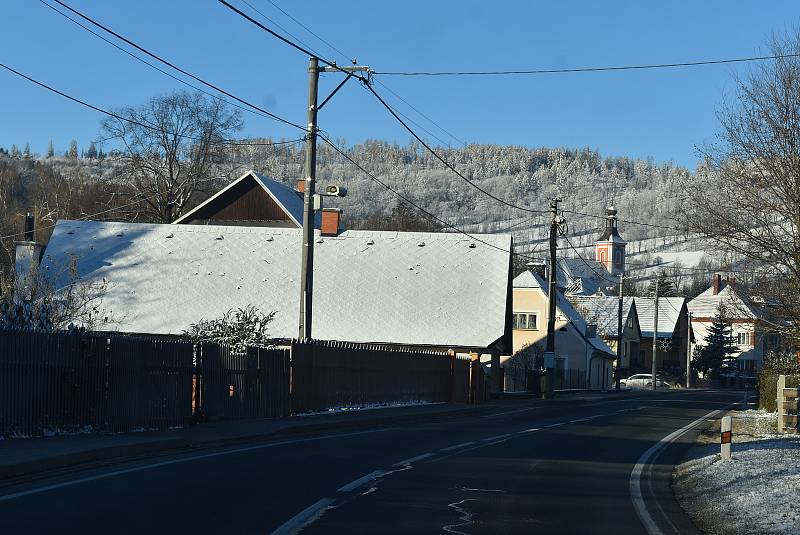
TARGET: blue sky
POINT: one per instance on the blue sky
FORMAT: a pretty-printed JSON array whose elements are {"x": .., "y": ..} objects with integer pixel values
[{"x": 661, "y": 113}]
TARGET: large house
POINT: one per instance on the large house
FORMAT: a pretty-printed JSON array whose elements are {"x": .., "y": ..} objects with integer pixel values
[
  {"x": 436, "y": 290},
  {"x": 603, "y": 311},
  {"x": 748, "y": 329},
  {"x": 577, "y": 344},
  {"x": 672, "y": 336}
]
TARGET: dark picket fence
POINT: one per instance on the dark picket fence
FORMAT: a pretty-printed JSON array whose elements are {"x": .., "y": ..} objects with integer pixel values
[
  {"x": 63, "y": 382},
  {"x": 77, "y": 381},
  {"x": 232, "y": 384},
  {"x": 329, "y": 375}
]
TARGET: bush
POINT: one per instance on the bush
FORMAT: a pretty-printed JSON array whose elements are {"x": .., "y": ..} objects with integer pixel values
[{"x": 775, "y": 364}]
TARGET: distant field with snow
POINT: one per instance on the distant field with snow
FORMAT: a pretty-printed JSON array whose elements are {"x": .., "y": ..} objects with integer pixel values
[{"x": 758, "y": 492}]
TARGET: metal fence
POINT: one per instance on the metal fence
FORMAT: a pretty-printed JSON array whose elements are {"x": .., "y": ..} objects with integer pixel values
[
  {"x": 329, "y": 375},
  {"x": 63, "y": 382},
  {"x": 233, "y": 384},
  {"x": 569, "y": 379}
]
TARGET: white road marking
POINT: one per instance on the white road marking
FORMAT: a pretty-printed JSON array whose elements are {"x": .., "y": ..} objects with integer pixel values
[
  {"x": 636, "y": 474},
  {"x": 531, "y": 430},
  {"x": 304, "y": 517},
  {"x": 135, "y": 469},
  {"x": 457, "y": 446},
  {"x": 361, "y": 480},
  {"x": 497, "y": 437},
  {"x": 579, "y": 420},
  {"x": 467, "y": 489},
  {"x": 555, "y": 425},
  {"x": 412, "y": 460}
]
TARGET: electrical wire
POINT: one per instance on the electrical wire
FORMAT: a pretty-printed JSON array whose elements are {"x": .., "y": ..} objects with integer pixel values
[
  {"x": 654, "y": 225},
  {"x": 309, "y": 30},
  {"x": 145, "y": 125},
  {"x": 413, "y": 204},
  {"x": 254, "y": 8},
  {"x": 445, "y": 162},
  {"x": 175, "y": 67},
  {"x": 589, "y": 69},
  {"x": 152, "y": 66}
]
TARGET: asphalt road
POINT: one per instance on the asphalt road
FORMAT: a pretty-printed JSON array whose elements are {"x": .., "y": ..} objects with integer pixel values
[{"x": 530, "y": 467}]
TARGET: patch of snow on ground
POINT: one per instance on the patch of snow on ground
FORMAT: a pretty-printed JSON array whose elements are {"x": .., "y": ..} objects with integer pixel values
[
  {"x": 370, "y": 406},
  {"x": 758, "y": 492}
]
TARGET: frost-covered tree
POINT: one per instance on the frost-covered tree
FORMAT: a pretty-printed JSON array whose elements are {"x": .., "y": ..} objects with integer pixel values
[
  {"x": 51, "y": 150},
  {"x": 241, "y": 327},
  {"x": 72, "y": 152},
  {"x": 718, "y": 347}
]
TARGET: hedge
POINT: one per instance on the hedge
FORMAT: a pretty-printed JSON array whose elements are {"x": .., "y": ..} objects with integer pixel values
[{"x": 768, "y": 390}]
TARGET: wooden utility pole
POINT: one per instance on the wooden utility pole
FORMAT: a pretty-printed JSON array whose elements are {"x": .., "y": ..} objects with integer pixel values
[
  {"x": 550, "y": 348},
  {"x": 655, "y": 336},
  {"x": 689, "y": 350},
  {"x": 618, "y": 370},
  {"x": 307, "y": 266}
]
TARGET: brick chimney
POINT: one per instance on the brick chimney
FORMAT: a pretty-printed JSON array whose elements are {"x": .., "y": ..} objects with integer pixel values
[
  {"x": 330, "y": 221},
  {"x": 300, "y": 185},
  {"x": 27, "y": 255},
  {"x": 716, "y": 282}
]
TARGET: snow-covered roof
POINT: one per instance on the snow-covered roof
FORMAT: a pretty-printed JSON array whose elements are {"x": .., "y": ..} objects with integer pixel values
[
  {"x": 706, "y": 305},
  {"x": 603, "y": 310},
  {"x": 529, "y": 279},
  {"x": 417, "y": 288},
  {"x": 290, "y": 200},
  {"x": 583, "y": 277},
  {"x": 669, "y": 309}
]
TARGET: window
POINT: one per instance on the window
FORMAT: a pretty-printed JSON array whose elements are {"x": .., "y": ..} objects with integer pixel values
[
  {"x": 743, "y": 339},
  {"x": 526, "y": 320},
  {"x": 603, "y": 256}
]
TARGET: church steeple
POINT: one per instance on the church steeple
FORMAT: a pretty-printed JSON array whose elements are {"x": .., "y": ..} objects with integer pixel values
[{"x": 610, "y": 247}]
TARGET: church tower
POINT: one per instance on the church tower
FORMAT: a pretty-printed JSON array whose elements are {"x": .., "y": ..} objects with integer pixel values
[{"x": 610, "y": 247}]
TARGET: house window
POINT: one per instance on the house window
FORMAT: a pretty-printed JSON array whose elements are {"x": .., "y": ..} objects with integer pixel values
[
  {"x": 743, "y": 339},
  {"x": 526, "y": 320},
  {"x": 617, "y": 257}
]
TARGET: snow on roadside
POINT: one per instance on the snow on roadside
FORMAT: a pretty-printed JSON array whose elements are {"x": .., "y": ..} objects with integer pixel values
[{"x": 758, "y": 492}]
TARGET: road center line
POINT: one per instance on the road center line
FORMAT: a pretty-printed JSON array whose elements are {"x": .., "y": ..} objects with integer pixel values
[
  {"x": 457, "y": 446},
  {"x": 412, "y": 460},
  {"x": 497, "y": 437},
  {"x": 307, "y": 515},
  {"x": 361, "y": 480},
  {"x": 135, "y": 469}
]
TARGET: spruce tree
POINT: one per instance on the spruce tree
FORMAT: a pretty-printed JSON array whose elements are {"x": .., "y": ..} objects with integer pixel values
[
  {"x": 719, "y": 345},
  {"x": 27, "y": 151},
  {"x": 666, "y": 286},
  {"x": 51, "y": 150},
  {"x": 73, "y": 149}
]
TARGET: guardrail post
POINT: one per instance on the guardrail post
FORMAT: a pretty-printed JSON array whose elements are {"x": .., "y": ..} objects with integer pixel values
[{"x": 725, "y": 438}]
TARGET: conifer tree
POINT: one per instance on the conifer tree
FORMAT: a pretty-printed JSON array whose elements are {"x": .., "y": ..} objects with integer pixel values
[
  {"x": 666, "y": 286},
  {"x": 27, "y": 151},
  {"x": 91, "y": 152},
  {"x": 73, "y": 149},
  {"x": 719, "y": 345},
  {"x": 14, "y": 151},
  {"x": 51, "y": 150}
]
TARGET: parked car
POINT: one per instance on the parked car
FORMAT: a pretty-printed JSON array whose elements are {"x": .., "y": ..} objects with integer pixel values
[{"x": 643, "y": 381}]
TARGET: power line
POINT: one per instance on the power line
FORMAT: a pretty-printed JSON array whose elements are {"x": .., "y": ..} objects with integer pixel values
[
  {"x": 254, "y": 8},
  {"x": 412, "y": 203},
  {"x": 445, "y": 162},
  {"x": 625, "y": 221},
  {"x": 173, "y": 66},
  {"x": 309, "y": 30},
  {"x": 588, "y": 69},
  {"x": 152, "y": 66},
  {"x": 407, "y": 103},
  {"x": 144, "y": 125}
]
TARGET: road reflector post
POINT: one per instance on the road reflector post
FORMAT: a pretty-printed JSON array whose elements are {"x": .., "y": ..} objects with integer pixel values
[{"x": 725, "y": 438}]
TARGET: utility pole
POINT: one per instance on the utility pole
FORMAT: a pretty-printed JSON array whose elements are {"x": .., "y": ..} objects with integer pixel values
[
  {"x": 550, "y": 349},
  {"x": 655, "y": 337},
  {"x": 307, "y": 265},
  {"x": 689, "y": 350},
  {"x": 618, "y": 371},
  {"x": 307, "y": 269}
]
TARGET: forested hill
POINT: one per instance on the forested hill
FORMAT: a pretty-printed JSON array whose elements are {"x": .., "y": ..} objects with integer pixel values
[
  {"x": 528, "y": 177},
  {"x": 73, "y": 186}
]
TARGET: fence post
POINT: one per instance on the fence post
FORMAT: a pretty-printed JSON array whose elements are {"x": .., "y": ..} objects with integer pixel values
[{"x": 781, "y": 386}]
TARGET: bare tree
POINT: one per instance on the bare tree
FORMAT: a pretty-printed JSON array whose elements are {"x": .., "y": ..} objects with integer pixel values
[
  {"x": 170, "y": 150},
  {"x": 749, "y": 198}
]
